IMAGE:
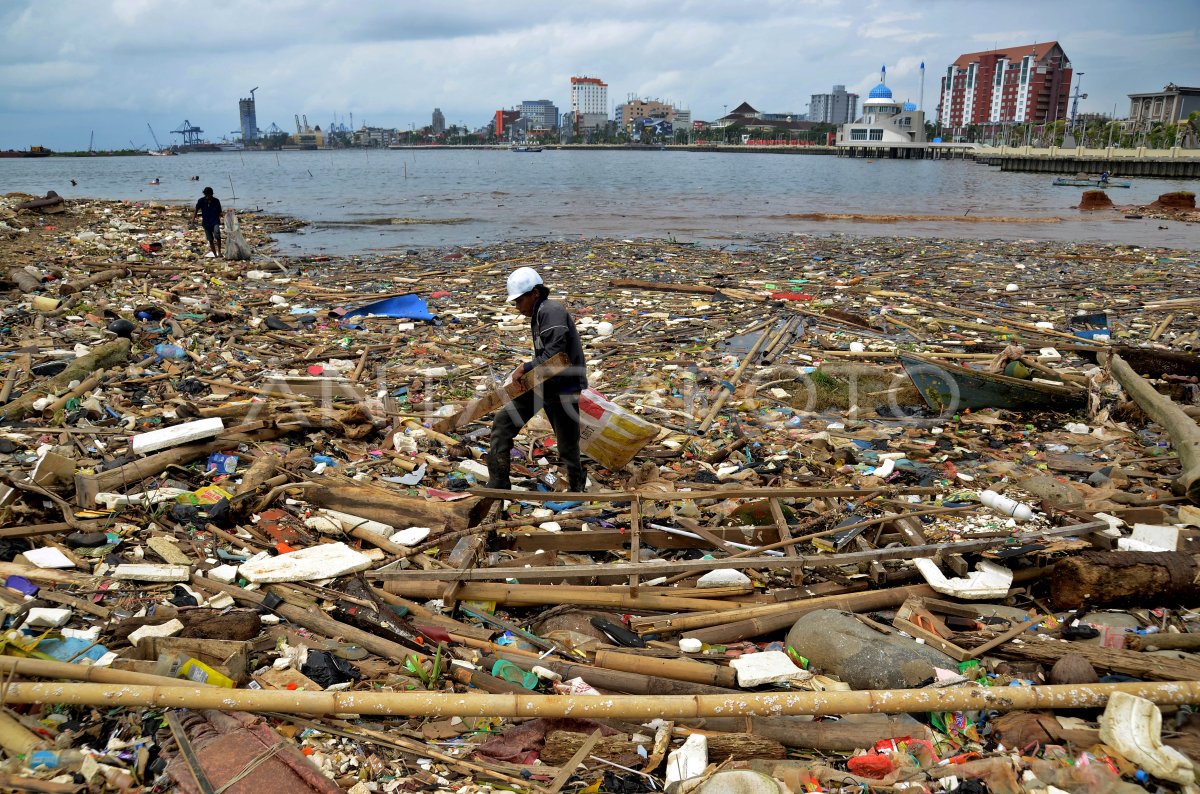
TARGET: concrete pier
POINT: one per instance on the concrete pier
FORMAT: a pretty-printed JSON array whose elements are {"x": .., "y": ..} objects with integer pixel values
[{"x": 1175, "y": 163}]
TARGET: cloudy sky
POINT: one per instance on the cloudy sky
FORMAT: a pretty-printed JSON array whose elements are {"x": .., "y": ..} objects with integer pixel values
[{"x": 72, "y": 67}]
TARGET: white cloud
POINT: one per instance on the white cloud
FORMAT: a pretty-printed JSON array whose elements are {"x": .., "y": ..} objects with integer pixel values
[{"x": 119, "y": 63}]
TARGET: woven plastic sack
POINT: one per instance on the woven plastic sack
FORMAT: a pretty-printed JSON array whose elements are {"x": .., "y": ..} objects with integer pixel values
[
  {"x": 236, "y": 246},
  {"x": 608, "y": 434}
]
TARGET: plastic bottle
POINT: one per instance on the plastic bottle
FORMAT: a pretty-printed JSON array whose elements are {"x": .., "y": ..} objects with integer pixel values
[
  {"x": 180, "y": 665},
  {"x": 166, "y": 351},
  {"x": 1009, "y": 507},
  {"x": 56, "y": 759}
]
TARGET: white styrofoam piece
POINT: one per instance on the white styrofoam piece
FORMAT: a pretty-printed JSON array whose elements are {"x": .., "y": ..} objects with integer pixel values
[
  {"x": 411, "y": 536},
  {"x": 688, "y": 761},
  {"x": 48, "y": 557},
  {"x": 723, "y": 577},
  {"x": 690, "y": 645},
  {"x": 325, "y": 561},
  {"x": 223, "y": 573},
  {"x": 1133, "y": 727},
  {"x": 349, "y": 522},
  {"x": 988, "y": 580},
  {"x": 768, "y": 667},
  {"x": 143, "y": 499},
  {"x": 1151, "y": 537},
  {"x": 168, "y": 629},
  {"x": 148, "y": 572},
  {"x": 46, "y": 617},
  {"x": 176, "y": 434}
]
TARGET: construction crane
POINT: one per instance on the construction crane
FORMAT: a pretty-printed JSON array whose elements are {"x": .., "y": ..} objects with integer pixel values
[
  {"x": 299, "y": 129},
  {"x": 252, "y": 90},
  {"x": 190, "y": 133},
  {"x": 157, "y": 145}
]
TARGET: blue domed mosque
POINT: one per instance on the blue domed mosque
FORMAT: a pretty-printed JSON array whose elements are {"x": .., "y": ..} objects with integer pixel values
[{"x": 885, "y": 124}]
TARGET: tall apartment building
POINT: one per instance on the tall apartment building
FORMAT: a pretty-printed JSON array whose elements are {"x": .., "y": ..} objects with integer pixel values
[
  {"x": 541, "y": 113},
  {"x": 438, "y": 125},
  {"x": 248, "y": 119},
  {"x": 1030, "y": 83},
  {"x": 836, "y": 107},
  {"x": 589, "y": 102}
]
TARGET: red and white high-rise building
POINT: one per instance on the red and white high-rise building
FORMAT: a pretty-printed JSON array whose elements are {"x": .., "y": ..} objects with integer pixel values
[
  {"x": 1030, "y": 83},
  {"x": 589, "y": 102}
]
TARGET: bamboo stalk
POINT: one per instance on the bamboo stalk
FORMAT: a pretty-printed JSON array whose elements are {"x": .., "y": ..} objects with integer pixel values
[
  {"x": 679, "y": 669},
  {"x": 446, "y": 704},
  {"x": 719, "y": 403},
  {"x": 543, "y": 595},
  {"x": 1181, "y": 428}
]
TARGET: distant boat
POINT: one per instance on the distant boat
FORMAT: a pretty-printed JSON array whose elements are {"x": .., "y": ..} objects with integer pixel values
[
  {"x": 949, "y": 387},
  {"x": 526, "y": 148},
  {"x": 1063, "y": 182},
  {"x": 161, "y": 153},
  {"x": 232, "y": 147},
  {"x": 34, "y": 151}
]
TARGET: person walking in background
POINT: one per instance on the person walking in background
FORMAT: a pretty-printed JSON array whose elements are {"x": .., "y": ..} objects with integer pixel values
[
  {"x": 553, "y": 333},
  {"x": 209, "y": 210}
]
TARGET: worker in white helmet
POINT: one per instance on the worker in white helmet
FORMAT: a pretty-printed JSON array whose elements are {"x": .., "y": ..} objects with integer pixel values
[{"x": 553, "y": 332}]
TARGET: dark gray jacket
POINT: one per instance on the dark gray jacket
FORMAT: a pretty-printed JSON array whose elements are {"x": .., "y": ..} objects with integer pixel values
[{"x": 553, "y": 333}]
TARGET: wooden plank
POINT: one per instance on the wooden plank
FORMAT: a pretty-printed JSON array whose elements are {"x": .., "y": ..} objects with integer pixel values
[
  {"x": 568, "y": 769},
  {"x": 503, "y": 395},
  {"x": 635, "y": 542},
  {"x": 785, "y": 534}
]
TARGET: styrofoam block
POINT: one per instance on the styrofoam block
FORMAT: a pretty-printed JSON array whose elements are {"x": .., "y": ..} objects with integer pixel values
[
  {"x": 325, "y": 561},
  {"x": 723, "y": 577},
  {"x": 223, "y": 573},
  {"x": 147, "y": 572},
  {"x": 768, "y": 667},
  {"x": 411, "y": 536},
  {"x": 988, "y": 580},
  {"x": 48, "y": 557},
  {"x": 47, "y": 617},
  {"x": 168, "y": 629},
  {"x": 1151, "y": 537},
  {"x": 176, "y": 434}
]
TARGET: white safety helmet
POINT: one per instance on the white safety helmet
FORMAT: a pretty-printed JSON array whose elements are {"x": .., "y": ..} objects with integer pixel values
[{"x": 521, "y": 281}]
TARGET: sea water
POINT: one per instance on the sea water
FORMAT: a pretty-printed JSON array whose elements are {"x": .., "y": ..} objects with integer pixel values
[{"x": 366, "y": 201}]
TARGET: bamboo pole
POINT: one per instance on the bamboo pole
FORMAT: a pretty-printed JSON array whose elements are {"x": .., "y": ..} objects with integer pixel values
[
  {"x": 546, "y": 594},
  {"x": 726, "y": 391},
  {"x": 1181, "y": 428},
  {"x": 46, "y": 668},
  {"x": 16, "y": 739},
  {"x": 630, "y": 707},
  {"x": 792, "y": 610},
  {"x": 679, "y": 669}
]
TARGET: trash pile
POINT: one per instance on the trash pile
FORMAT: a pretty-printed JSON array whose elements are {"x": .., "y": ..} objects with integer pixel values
[{"x": 863, "y": 513}]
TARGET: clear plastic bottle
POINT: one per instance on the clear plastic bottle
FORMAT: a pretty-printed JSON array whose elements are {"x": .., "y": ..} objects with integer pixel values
[{"x": 67, "y": 760}]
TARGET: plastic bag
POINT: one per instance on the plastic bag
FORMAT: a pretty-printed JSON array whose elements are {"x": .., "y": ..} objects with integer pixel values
[
  {"x": 236, "y": 246},
  {"x": 608, "y": 434}
]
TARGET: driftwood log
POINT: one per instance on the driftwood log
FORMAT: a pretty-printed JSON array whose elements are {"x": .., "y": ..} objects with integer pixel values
[
  {"x": 1115, "y": 660},
  {"x": 561, "y": 745},
  {"x": 106, "y": 355},
  {"x": 397, "y": 509},
  {"x": 1124, "y": 578},
  {"x": 71, "y": 287},
  {"x": 1182, "y": 429}
]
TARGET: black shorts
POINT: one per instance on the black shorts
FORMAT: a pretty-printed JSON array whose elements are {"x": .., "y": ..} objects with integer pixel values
[{"x": 213, "y": 232}]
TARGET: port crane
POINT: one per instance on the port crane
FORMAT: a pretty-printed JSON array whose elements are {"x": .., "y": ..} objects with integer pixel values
[{"x": 190, "y": 133}]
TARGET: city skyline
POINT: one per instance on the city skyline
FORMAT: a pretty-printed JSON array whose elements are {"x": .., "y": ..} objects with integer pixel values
[{"x": 113, "y": 66}]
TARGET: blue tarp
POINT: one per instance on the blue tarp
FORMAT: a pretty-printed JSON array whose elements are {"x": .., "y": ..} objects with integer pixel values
[{"x": 409, "y": 307}]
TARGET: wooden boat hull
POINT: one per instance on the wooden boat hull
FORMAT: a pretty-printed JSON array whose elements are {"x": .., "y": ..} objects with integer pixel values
[
  {"x": 1089, "y": 183},
  {"x": 948, "y": 387}
]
